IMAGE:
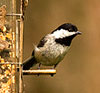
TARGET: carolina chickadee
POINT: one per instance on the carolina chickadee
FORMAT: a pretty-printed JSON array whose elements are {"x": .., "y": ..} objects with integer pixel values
[{"x": 52, "y": 47}]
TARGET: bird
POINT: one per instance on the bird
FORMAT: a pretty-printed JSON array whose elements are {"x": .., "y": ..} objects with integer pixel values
[{"x": 53, "y": 47}]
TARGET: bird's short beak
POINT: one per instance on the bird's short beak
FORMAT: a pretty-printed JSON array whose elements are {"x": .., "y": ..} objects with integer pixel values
[{"x": 78, "y": 33}]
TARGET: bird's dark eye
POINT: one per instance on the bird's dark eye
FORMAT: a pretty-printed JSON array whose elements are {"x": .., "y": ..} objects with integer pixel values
[{"x": 70, "y": 30}]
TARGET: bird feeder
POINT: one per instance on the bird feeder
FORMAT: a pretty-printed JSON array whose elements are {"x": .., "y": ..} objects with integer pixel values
[{"x": 11, "y": 41}]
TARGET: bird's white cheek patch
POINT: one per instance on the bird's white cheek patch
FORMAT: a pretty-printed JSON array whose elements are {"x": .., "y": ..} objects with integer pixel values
[
  {"x": 62, "y": 33},
  {"x": 70, "y": 33}
]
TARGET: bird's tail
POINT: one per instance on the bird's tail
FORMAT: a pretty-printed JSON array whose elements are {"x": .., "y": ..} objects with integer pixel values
[{"x": 29, "y": 63}]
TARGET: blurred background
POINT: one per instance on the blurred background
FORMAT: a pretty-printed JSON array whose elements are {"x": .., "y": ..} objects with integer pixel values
[{"x": 79, "y": 72}]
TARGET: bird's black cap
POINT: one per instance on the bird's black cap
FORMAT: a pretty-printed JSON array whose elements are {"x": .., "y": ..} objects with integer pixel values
[{"x": 67, "y": 26}]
